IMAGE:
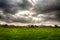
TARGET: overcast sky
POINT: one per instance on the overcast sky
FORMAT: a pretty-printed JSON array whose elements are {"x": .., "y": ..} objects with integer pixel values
[{"x": 30, "y": 11}]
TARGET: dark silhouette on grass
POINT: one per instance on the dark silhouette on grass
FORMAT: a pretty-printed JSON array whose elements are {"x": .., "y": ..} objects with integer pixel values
[{"x": 56, "y": 26}]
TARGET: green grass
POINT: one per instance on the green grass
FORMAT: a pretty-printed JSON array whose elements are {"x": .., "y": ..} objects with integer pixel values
[{"x": 29, "y": 33}]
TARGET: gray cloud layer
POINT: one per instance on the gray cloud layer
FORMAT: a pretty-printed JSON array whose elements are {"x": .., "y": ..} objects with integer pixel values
[
  {"x": 11, "y": 7},
  {"x": 50, "y": 9}
]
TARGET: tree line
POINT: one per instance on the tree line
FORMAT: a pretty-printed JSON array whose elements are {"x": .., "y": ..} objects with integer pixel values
[{"x": 29, "y": 26}]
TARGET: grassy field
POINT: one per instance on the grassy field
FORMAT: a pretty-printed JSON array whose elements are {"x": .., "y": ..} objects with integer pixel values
[{"x": 29, "y": 33}]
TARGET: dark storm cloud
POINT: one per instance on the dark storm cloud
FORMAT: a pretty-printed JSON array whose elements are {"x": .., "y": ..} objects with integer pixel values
[
  {"x": 25, "y": 4},
  {"x": 48, "y": 7},
  {"x": 12, "y": 6}
]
